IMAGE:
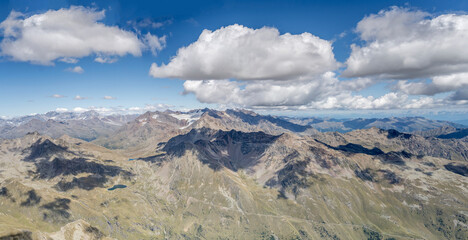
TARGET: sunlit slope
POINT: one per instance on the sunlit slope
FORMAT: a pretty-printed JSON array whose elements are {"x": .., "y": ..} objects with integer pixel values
[{"x": 211, "y": 184}]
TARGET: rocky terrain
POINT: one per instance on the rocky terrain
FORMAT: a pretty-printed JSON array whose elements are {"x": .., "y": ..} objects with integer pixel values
[{"x": 209, "y": 174}]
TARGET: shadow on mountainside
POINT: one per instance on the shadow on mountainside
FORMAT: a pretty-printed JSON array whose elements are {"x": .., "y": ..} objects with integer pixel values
[
  {"x": 231, "y": 149},
  {"x": 57, "y": 210},
  {"x": 396, "y": 158},
  {"x": 32, "y": 200},
  {"x": 48, "y": 168},
  {"x": 99, "y": 173},
  {"x": 458, "y": 169},
  {"x": 44, "y": 149},
  {"x": 279, "y": 122}
]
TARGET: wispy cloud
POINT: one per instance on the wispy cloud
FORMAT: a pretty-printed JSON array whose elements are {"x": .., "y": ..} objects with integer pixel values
[
  {"x": 57, "y": 96},
  {"x": 149, "y": 23},
  {"x": 78, "y": 97},
  {"x": 68, "y": 60},
  {"x": 76, "y": 69},
  {"x": 105, "y": 59},
  {"x": 155, "y": 43},
  {"x": 109, "y": 98},
  {"x": 61, "y": 109}
]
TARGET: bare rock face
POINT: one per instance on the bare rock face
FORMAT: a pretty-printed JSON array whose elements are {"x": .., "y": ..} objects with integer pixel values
[
  {"x": 78, "y": 230},
  {"x": 18, "y": 235}
]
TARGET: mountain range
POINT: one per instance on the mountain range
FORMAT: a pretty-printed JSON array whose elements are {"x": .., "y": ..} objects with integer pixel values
[
  {"x": 234, "y": 174},
  {"x": 91, "y": 125}
]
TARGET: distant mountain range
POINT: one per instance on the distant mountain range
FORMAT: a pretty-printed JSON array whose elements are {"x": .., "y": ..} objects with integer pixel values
[
  {"x": 402, "y": 124},
  {"x": 446, "y": 132},
  {"x": 87, "y": 125},
  {"x": 131, "y": 131}
]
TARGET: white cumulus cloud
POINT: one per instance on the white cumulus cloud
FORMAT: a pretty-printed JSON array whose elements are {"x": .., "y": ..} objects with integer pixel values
[
  {"x": 267, "y": 92},
  {"x": 260, "y": 68},
  {"x": 242, "y": 53},
  {"x": 66, "y": 35},
  {"x": 439, "y": 84},
  {"x": 405, "y": 44}
]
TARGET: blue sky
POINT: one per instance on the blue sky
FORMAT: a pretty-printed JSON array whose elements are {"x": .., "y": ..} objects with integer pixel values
[{"x": 27, "y": 86}]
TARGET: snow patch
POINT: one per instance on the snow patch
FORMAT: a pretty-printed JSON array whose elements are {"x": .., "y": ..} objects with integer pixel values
[
  {"x": 190, "y": 117},
  {"x": 143, "y": 121}
]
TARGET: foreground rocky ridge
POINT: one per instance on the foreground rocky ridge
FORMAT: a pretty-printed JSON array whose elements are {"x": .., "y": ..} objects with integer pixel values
[{"x": 212, "y": 183}]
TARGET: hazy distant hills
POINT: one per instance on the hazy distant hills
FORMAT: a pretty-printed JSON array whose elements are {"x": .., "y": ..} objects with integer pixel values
[
  {"x": 87, "y": 125},
  {"x": 208, "y": 183},
  {"x": 446, "y": 133},
  {"x": 402, "y": 124}
]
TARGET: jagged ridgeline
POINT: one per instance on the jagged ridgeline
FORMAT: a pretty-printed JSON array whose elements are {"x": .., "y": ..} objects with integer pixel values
[{"x": 234, "y": 174}]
